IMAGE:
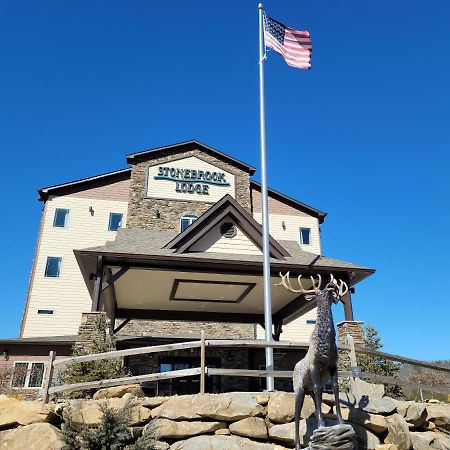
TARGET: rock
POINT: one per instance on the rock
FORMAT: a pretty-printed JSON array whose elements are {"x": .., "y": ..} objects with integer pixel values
[
  {"x": 337, "y": 437},
  {"x": 252, "y": 427},
  {"x": 282, "y": 406},
  {"x": 416, "y": 414},
  {"x": 442, "y": 441},
  {"x": 383, "y": 406},
  {"x": 89, "y": 411},
  {"x": 218, "y": 442},
  {"x": 170, "y": 429},
  {"x": 398, "y": 432},
  {"x": 223, "y": 432},
  {"x": 228, "y": 407},
  {"x": 361, "y": 388},
  {"x": 386, "y": 447},
  {"x": 262, "y": 399},
  {"x": 118, "y": 392},
  {"x": 402, "y": 406},
  {"x": 153, "y": 402},
  {"x": 285, "y": 432},
  {"x": 38, "y": 436},
  {"x": 373, "y": 422},
  {"x": 428, "y": 426},
  {"x": 429, "y": 440},
  {"x": 346, "y": 399},
  {"x": 439, "y": 414},
  {"x": 14, "y": 412}
]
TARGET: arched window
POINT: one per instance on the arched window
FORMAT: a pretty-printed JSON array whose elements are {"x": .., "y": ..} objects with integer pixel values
[{"x": 187, "y": 220}]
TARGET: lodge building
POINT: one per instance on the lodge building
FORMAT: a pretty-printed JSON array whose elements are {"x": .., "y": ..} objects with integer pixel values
[{"x": 167, "y": 247}]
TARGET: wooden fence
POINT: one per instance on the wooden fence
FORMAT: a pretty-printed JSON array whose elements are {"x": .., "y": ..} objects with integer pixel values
[{"x": 203, "y": 344}]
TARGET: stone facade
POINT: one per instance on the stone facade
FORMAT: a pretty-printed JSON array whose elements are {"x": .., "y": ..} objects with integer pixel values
[
  {"x": 354, "y": 328},
  {"x": 88, "y": 332},
  {"x": 142, "y": 211}
]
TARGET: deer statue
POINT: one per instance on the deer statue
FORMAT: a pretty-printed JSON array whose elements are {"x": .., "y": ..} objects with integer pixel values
[{"x": 320, "y": 363}]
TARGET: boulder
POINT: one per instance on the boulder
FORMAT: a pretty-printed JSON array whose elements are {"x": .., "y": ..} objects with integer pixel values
[
  {"x": 383, "y": 406},
  {"x": 252, "y": 427},
  {"x": 282, "y": 406},
  {"x": 398, "y": 432},
  {"x": 37, "y": 436},
  {"x": 14, "y": 412},
  {"x": 430, "y": 440},
  {"x": 439, "y": 413},
  {"x": 170, "y": 429},
  {"x": 218, "y": 442},
  {"x": 361, "y": 388},
  {"x": 262, "y": 399},
  {"x": 402, "y": 406},
  {"x": 373, "y": 422},
  {"x": 90, "y": 412},
  {"x": 416, "y": 414},
  {"x": 285, "y": 433},
  {"x": 153, "y": 402},
  {"x": 118, "y": 392},
  {"x": 223, "y": 432},
  {"x": 228, "y": 407},
  {"x": 346, "y": 399},
  {"x": 386, "y": 447}
]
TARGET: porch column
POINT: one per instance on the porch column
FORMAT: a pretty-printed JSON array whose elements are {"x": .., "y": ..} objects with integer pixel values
[{"x": 97, "y": 285}]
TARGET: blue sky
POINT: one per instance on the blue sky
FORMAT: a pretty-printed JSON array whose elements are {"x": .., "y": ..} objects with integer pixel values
[{"x": 364, "y": 135}]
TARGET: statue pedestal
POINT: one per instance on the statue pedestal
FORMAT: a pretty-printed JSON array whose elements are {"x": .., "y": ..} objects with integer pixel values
[{"x": 337, "y": 437}]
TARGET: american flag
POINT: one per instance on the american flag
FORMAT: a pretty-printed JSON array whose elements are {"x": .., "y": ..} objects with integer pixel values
[{"x": 293, "y": 45}]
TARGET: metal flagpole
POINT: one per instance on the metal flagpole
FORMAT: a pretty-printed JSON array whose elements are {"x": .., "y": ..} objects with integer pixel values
[{"x": 265, "y": 207}]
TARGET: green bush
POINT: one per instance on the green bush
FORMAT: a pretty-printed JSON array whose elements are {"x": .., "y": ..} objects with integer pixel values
[{"x": 105, "y": 369}]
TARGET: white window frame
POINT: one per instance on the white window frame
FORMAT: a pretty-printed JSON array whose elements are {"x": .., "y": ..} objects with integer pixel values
[
  {"x": 301, "y": 235},
  {"x": 109, "y": 221},
  {"x": 27, "y": 377},
  {"x": 66, "y": 222},
  {"x": 60, "y": 267},
  {"x": 191, "y": 217}
]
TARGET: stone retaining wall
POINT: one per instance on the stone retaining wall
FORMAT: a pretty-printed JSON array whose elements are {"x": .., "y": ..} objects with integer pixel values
[{"x": 231, "y": 421}]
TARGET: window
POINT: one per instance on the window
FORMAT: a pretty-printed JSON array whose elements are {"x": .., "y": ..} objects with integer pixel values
[
  {"x": 45, "y": 311},
  {"x": 115, "y": 221},
  {"x": 305, "y": 236},
  {"x": 28, "y": 374},
  {"x": 60, "y": 219},
  {"x": 53, "y": 266},
  {"x": 187, "y": 220},
  {"x": 311, "y": 322}
]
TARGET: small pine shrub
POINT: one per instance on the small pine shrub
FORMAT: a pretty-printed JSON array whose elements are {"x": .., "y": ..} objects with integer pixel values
[{"x": 87, "y": 371}]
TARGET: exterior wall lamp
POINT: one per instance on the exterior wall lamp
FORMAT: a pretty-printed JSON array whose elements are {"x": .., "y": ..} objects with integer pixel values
[
  {"x": 283, "y": 225},
  {"x": 6, "y": 355},
  {"x": 91, "y": 210},
  {"x": 158, "y": 214}
]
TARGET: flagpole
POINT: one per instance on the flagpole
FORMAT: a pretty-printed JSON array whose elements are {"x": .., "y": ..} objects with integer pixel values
[{"x": 265, "y": 208}]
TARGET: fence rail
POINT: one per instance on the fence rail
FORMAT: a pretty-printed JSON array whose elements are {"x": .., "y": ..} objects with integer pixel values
[{"x": 203, "y": 370}]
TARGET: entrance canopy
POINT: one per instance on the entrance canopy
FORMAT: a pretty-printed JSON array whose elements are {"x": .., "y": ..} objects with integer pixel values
[{"x": 212, "y": 271}]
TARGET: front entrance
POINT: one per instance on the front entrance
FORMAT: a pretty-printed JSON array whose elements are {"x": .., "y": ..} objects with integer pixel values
[{"x": 188, "y": 385}]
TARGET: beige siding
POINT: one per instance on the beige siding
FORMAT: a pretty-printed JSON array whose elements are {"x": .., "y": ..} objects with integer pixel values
[
  {"x": 118, "y": 191},
  {"x": 67, "y": 295},
  {"x": 215, "y": 242},
  {"x": 291, "y": 230},
  {"x": 298, "y": 330}
]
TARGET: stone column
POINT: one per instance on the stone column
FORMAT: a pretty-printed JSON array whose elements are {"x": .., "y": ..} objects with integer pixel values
[
  {"x": 354, "y": 328},
  {"x": 88, "y": 332}
]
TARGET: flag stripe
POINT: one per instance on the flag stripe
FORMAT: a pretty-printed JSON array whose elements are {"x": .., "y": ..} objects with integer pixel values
[{"x": 293, "y": 45}]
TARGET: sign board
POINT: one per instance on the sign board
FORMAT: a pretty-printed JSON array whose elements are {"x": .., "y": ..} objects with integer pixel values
[{"x": 190, "y": 179}]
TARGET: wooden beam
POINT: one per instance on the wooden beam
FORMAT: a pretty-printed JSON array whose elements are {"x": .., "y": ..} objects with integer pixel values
[
  {"x": 251, "y": 373},
  {"x": 191, "y": 316},
  {"x": 128, "y": 352},
  {"x": 126, "y": 380},
  {"x": 348, "y": 307},
  {"x": 278, "y": 328},
  {"x": 117, "y": 329},
  {"x": 97, "y": 284},
  {"x": 48, "y": 376},
  {"x": 202, "y": 363},
  {"x": 256, "y": 343},
  {"x": 295, "y": 307},
  {"x": 114, "y": 277}
]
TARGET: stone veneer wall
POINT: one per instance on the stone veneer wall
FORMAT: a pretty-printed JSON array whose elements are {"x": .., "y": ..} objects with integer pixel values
[
  {"x": 142, "y": 211},
  {"x": 352, "y": 327},
  {"x": 87, "y": 332}
]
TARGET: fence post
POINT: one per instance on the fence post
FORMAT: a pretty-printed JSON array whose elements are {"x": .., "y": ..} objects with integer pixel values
[
  {"x": 353, "y": 363},
  {"x": 202, "y": 362},
  {"x": 48, "y": 376}
]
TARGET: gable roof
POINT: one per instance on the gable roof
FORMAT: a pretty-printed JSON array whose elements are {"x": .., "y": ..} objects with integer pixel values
[
  {"x": 139, "y": 156},
  {"x": 227, "y": 206},
  {"x": 84, "y": 183},
  {"x": 320, "y": 215}
]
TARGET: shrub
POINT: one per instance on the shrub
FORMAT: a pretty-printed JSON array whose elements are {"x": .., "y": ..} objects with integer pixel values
[{"x": 105, "y": 369}]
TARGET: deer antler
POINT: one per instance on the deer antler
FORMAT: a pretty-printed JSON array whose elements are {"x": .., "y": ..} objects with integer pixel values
[
  {"x": 286, "y": 283},
  {"x": 341, "y": 286}
]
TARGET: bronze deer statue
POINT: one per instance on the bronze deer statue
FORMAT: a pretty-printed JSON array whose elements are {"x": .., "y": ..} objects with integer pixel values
[{"x": 320, "y": 362}]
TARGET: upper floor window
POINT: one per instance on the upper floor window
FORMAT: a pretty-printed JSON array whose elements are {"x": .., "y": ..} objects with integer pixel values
[
  {"x": 53, "y": 266},
  {"x": 60, "y": 219},
  {"x": 305, "y": 236},
  {"x": 187, "y": 220},
  {"x": 28, "y": 374},
  {"x": 115, "y": 221}
]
